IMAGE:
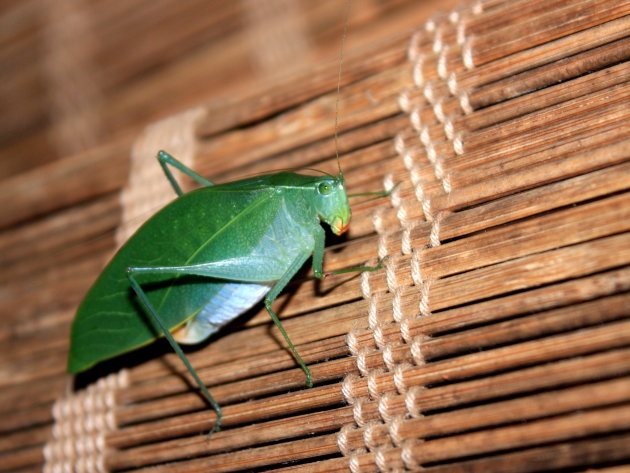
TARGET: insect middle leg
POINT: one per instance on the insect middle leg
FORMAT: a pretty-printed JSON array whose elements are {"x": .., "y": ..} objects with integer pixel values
[
  {"x": 318, "y": 260},
  {"x": 229, "y": 270}
]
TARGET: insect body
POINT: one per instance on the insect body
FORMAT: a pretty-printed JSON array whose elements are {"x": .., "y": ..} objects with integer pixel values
[{"x": 204, "y": 259}]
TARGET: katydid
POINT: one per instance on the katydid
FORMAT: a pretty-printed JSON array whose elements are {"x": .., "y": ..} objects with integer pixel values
[{"x": 205, "y": 258}]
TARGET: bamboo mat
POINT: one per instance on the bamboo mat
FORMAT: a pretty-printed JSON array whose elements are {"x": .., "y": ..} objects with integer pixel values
[
  {"x": 77, "y": 73},
  {"x": 495, "y": 338}
]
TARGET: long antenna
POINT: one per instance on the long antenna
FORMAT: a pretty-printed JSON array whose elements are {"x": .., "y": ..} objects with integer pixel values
[{"x": 343, "y": 40}]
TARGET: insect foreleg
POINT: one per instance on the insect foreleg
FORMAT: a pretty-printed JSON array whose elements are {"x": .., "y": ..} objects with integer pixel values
[
  {"x": 318, "y": 254},
  {"x": 145, "y": 301},
  {"x": 232, "y": 269},
  {"x": 358, "y": 269},
  {"x": 318, "y": 260},
  {"x": 166, "y": 159}
]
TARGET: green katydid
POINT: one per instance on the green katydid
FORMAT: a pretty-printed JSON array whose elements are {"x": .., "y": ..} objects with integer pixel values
[{"x": 245, "y": 240}]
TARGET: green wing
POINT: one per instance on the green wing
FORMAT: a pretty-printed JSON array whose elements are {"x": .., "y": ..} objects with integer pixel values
[{"x": 209, "y": 224}]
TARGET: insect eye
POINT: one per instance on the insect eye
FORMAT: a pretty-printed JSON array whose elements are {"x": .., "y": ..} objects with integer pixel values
[{"x": 325, "y": 188}]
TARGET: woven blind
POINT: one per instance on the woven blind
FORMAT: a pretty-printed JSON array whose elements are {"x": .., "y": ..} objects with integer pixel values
[{"x": 495, "y": 338}]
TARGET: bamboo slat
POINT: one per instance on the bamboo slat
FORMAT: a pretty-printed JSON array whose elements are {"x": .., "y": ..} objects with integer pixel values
[
  {"x": 496, "y": 335},
  {"x": 79, "y": 74}
]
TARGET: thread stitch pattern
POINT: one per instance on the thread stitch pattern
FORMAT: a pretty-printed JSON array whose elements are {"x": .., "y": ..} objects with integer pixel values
[
  {"x": 381, "y": 395},
  {"x": 81, "y": 423}
]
